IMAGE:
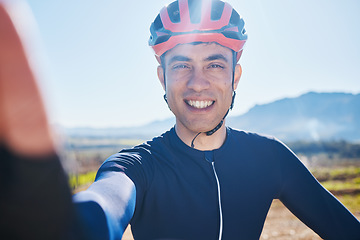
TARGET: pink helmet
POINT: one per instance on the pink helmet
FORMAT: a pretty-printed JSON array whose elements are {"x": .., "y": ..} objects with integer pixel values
[{"x": 187, "y": 21}]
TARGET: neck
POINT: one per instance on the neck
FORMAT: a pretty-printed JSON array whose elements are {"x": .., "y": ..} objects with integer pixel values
[{"x": 202, "y": 141}]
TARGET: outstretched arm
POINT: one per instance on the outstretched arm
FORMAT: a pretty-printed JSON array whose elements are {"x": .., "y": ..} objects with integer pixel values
[
  {"x": 105, "y": 209},
  {"x": 35, "y": 200}
]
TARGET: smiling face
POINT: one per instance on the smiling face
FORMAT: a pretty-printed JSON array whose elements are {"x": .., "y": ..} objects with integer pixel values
[{"x": 198, "y": 85}]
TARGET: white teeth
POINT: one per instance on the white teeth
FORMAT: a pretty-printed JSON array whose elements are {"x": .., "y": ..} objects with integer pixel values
[{"x": 200, "y": 104}]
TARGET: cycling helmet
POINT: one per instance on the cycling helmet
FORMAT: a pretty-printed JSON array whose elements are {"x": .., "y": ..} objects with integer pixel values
[{"x": 186, "y": 21}]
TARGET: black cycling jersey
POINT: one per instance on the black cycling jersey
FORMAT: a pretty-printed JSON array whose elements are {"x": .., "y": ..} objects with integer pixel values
[
  {"x": 184, "y": 193},
  {"x": 35, "y": 199}
]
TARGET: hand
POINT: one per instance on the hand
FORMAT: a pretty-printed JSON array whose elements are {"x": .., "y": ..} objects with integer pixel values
[{"x": 23, "y": 123}]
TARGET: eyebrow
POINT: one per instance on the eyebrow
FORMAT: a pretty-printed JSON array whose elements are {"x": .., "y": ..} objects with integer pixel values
[
  {"x": 179, "y": 58},
  {"x": 182, "y": 58},
  {"x": 216, "y": 57}
]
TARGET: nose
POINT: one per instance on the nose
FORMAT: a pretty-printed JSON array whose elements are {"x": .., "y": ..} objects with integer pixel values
[{"x": 198, "y": 81}]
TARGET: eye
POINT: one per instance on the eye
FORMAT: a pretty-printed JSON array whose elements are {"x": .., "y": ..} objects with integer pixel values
[
  {"x": 180, "y": 66},
  {"x": 215, "y": 65}
]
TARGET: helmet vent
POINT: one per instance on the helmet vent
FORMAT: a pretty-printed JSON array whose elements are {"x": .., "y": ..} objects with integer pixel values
[
  {"x": 217, "y": 8},
  {"x": 174, "y": 12},
  {"x": 195, "y": 11},
  {"x": 158, "y": 23},
  {"x": 235, "y": 18}
]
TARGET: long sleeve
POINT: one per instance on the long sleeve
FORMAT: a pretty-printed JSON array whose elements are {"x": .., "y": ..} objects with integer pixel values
[
  {"x": 304, "y": 196},
  {"x": 35, "y": 199},
  {"x": 105, "y": 209}
]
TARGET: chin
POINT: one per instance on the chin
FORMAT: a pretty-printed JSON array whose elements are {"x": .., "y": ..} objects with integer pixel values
[{"x": 205, "y": 128}]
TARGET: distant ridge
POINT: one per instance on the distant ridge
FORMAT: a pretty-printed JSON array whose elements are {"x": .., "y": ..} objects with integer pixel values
[{"x": 311, "y": 116}]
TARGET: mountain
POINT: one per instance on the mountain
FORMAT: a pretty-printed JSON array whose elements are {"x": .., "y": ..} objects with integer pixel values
[{"x": 311, "y": 116}]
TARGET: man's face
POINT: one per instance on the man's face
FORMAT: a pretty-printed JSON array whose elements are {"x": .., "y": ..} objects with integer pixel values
[{"x": 199, "y": 84}]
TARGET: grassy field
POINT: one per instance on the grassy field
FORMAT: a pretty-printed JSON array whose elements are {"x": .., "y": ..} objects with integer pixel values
[
  {"x": 80, "y": 182},
  {"x": 343, "y": 182}
]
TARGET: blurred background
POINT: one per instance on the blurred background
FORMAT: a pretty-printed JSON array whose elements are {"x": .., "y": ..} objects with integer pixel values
[{"x": 300, "y": 83}]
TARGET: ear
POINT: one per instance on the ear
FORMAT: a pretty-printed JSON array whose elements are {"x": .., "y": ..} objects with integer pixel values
[
  {"x": 160, "y": 73},
  {"x": 237, "y": 75}
]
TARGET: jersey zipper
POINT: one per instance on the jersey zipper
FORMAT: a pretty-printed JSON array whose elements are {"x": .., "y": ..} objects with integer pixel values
[{"x": 219, "y": 200}]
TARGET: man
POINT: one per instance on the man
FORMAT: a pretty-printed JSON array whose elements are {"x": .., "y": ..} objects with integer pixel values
[{"x": 201, "y": 179}]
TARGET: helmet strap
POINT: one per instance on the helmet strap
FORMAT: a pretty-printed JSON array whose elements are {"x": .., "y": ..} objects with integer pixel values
[{"x": 162, "y": 60}]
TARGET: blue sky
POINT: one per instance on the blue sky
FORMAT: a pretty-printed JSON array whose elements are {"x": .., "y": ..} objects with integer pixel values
[{"x": 98, "y": 70}]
